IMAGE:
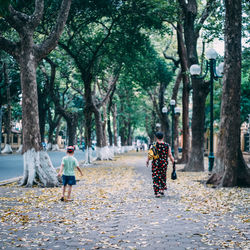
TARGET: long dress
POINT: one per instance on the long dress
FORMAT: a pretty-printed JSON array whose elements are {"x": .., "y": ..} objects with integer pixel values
[{"x": 159, "y": 168}]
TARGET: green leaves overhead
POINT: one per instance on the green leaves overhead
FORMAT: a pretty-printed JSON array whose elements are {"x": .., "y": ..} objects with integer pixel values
[{"x": 4, "y": 5}]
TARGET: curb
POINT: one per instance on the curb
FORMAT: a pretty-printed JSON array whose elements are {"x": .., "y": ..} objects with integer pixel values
[{"x": 9, "y": 181}]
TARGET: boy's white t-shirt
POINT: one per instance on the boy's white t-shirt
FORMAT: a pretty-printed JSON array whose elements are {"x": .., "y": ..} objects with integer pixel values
[{"x": 70, "y": 163}]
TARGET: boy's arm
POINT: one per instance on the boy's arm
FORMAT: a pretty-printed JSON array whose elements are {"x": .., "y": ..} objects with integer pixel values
[
  {"x": 61, "y": 170},
  {"x": 79, "y": 170}
]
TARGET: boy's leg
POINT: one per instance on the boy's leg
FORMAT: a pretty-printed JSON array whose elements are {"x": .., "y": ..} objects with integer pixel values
[
  {"x": 69, "y": 191},
  {"x": 63, "y": 192}
]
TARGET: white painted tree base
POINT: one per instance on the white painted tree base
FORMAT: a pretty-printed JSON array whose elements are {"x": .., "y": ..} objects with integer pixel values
[
  {"x": 7, "y": 149},
  {"x": 55, "y": 147},
  {"x": 20, "y": 149},
  {"x": 104, "y": 153},
  {"x": 38, "y": 169},
  {"x": 49, "y": 147},
  {"x": 89, "y": 156}
]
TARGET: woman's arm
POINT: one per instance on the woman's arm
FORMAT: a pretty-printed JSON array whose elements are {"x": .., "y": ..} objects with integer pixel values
[{"x": 170, "y": 155}]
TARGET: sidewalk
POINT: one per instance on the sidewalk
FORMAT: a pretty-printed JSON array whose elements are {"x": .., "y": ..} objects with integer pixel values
[{"x": 114, "y": 208}]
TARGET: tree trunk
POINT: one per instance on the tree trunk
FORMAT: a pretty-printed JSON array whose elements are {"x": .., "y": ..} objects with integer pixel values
[
  {"x": 36, "y": 163},
  {"x": 110, "y": 131},
  {"x": 88, "y": 110},
  {"x": 130, "y": 134},
  {"x": 191, "y": 35},
  {"x": 72, "y": 126},
  {"x": 98, "y": 125},
  {"x": 104, "y": 124},
  {"x": 114, "y": 113},
  {"x": 8, "y": 121},
  {"x": 185, "y": 94},
  {"x": 53, "y": 124},
  {"x": 196, "y": 160},
  {"x": 230, "y": 168},
  {"x": 1, "y": 114},
  {"x": 176, "y": 118},
  {"x": 42, "y": 120}
]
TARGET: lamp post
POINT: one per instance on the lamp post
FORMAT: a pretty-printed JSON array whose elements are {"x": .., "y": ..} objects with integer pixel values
[
  {"x": 215, "y": 73},
  {"x": 172, "y": 104},
  {"x": 165, "y": 111},
  {"x": 177, "y": 112}
]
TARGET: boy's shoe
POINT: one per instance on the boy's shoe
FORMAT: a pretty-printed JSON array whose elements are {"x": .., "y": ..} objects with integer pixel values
[
  {"x": 157, "y": 196},
  {"x": 62, "y": 199},
  {"x": 161, "y": 193}
]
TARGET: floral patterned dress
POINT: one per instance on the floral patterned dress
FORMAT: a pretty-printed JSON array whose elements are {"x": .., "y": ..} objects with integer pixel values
[{"x": 159, "y": 168}]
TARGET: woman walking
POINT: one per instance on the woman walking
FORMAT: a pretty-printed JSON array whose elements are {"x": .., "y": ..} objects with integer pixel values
[{"x": 159, "y": 166}]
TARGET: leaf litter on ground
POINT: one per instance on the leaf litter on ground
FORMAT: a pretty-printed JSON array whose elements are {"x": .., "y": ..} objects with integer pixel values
[{"x": 104, "y": 193}]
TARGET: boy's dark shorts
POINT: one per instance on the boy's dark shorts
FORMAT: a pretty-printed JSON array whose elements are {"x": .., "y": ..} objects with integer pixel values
[{"x": 68, "y": 179}]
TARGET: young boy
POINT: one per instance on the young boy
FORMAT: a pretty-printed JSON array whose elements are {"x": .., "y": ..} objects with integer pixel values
[{"x": 69, "y": 163}]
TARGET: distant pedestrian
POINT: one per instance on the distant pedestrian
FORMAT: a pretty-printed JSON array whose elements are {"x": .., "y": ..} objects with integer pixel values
[
  {"x": 68, "y": 165},
  {"x": 159, "y": 166}
]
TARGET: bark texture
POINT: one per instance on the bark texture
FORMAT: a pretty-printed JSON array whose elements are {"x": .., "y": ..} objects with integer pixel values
[
  {"x": 196, "y": 159},
  {"x": 185, "y": 94},
  {"x": 230, "y": 169}
]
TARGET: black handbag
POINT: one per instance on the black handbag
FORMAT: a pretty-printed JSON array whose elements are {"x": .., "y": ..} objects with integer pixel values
[{"x": 173, "y": 174}]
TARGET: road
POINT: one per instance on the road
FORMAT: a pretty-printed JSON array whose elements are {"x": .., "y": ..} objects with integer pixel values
[{"x": 11, "y": 166}]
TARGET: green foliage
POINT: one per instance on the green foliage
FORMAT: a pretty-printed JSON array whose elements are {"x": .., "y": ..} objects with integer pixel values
[
  {"x": 103, "y": 35},
  {"x": 4, "y": 5},
  {"x": 17, "y": 4},
  {"x": 245, "y": 85},
  {"x": 14, "y": 79}
]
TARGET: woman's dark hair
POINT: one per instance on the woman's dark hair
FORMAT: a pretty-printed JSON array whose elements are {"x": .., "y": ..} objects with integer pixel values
[{"x": 159, "y": 135}]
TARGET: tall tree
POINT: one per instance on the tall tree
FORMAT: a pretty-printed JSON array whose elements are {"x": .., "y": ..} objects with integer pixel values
[
  {"x": 37, "y": 164},
  {"x": 230, "y": 169},
  {"x": 192, "y": 26},
  {"x": 185, "y": 93}
]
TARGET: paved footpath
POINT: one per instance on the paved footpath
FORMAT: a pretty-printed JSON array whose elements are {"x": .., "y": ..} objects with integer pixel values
[{"x": 114, "y": 208}]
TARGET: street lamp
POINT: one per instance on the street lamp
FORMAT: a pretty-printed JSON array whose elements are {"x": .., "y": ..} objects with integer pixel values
[
  {"x": 177, "y": 111},
  {"x": 172, "y": 104},
  {"x": 158, "y": 126},
  {"x": 215, "y": 73}
]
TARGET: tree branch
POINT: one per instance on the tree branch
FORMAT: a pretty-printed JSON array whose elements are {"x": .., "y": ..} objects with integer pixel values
[
  {"x": 77, "y": 90},
  {"x": 53, "y": 72},
  {"x": 101, "y": 43},
  {"x": 183, "y": 5},
  {"x": 16, "y": 19},
  {"x": 176, "y": 62},
  {"x": 112, "y": 84},
  {"x": 205, "y": 14},
  {"x": 8, "y": 46},
  {"x": 50, "y": 43},
  {"x": 38, "y": 13}
]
